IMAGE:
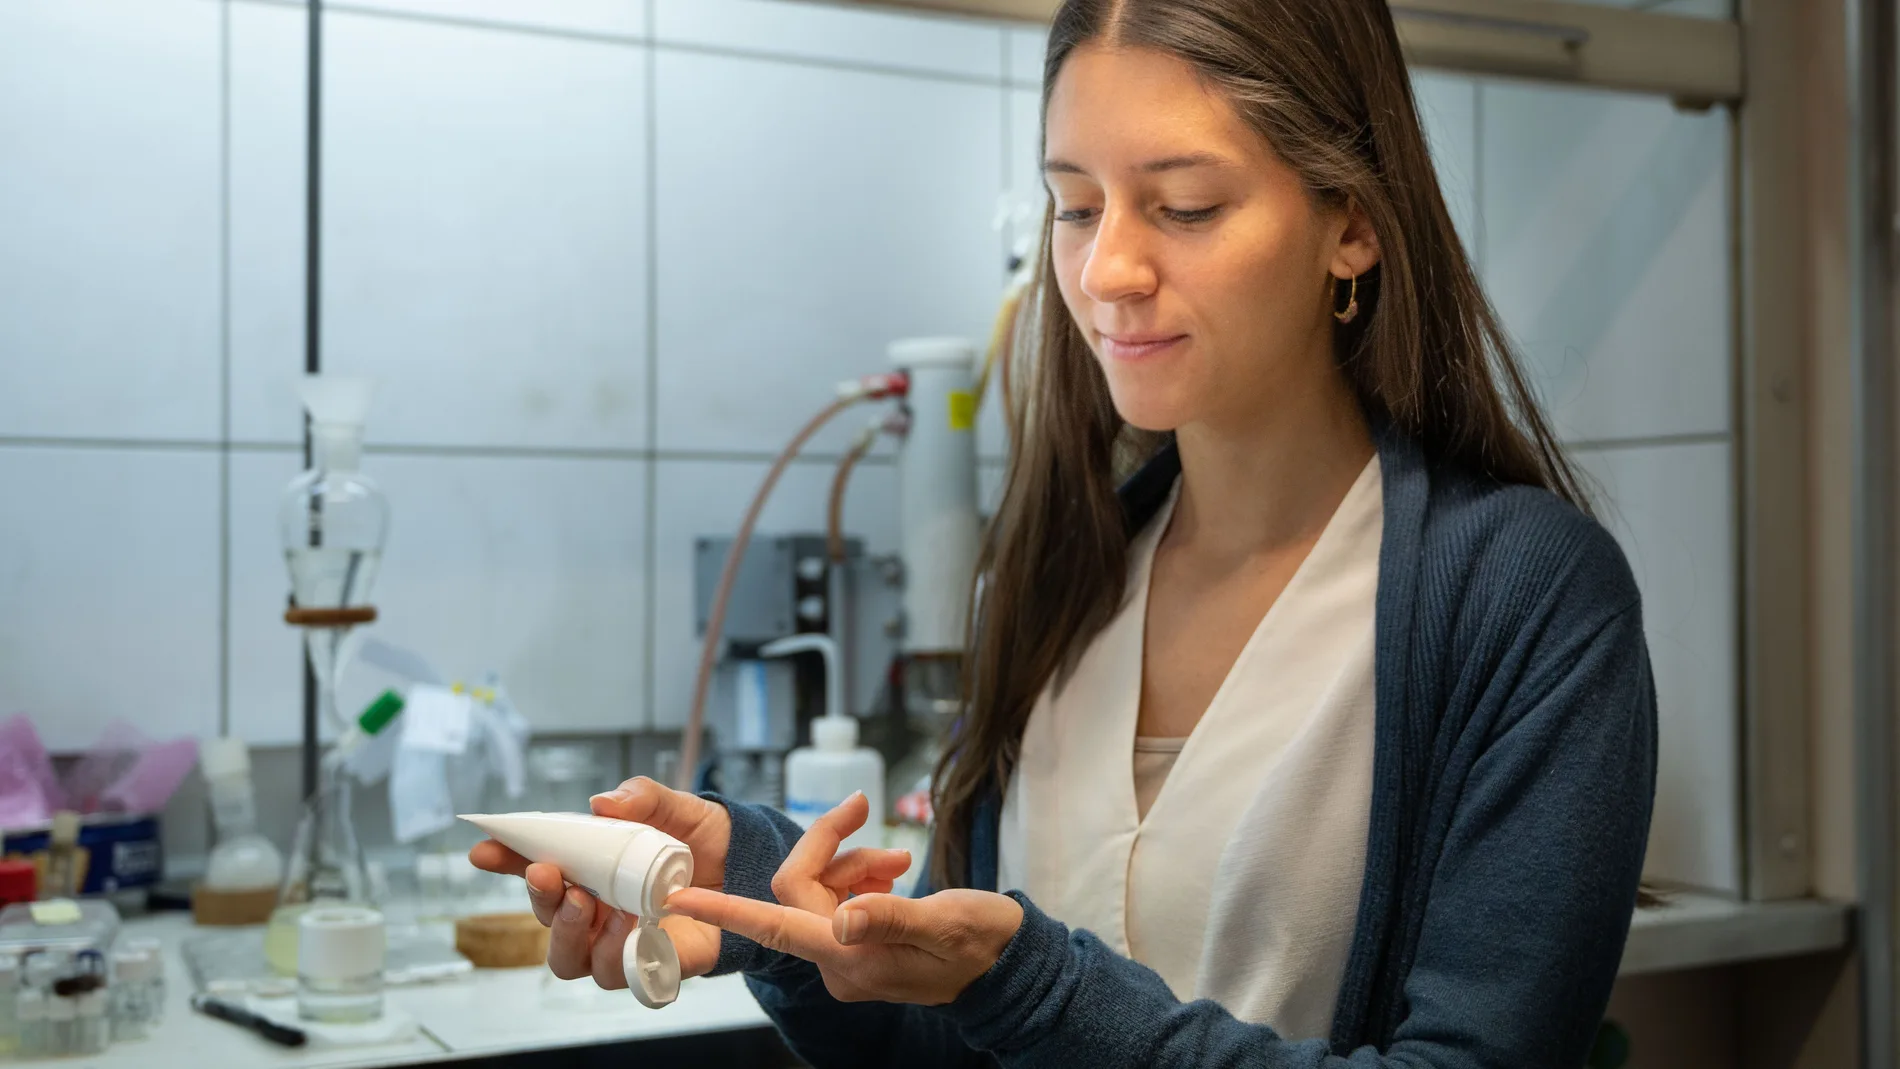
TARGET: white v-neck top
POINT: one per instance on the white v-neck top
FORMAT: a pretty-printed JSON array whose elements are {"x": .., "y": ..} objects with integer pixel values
[{"x": 1240, "y": 882}]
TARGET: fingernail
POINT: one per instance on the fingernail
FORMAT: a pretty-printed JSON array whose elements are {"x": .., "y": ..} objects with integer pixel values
[
  {"x": 851, "y": 925},
  {"x": 616, "y": 795},
  {"x": 570, "y": 909}
]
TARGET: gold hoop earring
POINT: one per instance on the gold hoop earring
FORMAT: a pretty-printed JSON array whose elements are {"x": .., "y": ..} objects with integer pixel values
[{"x": 1351, "y": 311}]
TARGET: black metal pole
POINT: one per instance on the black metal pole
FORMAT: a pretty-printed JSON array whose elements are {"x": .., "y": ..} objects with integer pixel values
[
  {"x": 312, "y": 318},
  {"x": 1875, "y": 155}
]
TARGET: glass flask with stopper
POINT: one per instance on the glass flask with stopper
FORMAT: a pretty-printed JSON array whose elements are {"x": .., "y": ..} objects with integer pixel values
[{"x": 334, "y": 520}]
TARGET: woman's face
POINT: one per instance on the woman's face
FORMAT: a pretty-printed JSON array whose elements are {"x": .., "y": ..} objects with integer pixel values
[{"x": 1192, "y": 258}]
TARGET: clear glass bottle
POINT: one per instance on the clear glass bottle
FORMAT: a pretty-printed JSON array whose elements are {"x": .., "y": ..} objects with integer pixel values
[
  {"x": 138, "y": 990},
  {"x": 9, "y": 1006},
  {"x": 62, "y": 1026},
  {"x": 242, "y": 860},
  {"x": 30, "y": 1009},
  {"x": 340, "y": 960},
  {"x": 93, "y": 1033}
]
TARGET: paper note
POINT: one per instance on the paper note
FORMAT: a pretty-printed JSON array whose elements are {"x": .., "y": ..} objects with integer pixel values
[{"x": 436, "y": 719}]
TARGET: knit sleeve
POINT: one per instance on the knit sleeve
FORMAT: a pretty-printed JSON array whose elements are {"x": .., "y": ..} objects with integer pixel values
[
  {"x": 822, "y": 1031},
  {"x": 1522, "y": 929}
]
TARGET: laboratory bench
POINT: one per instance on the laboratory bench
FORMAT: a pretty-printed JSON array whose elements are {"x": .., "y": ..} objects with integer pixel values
[{"x": 516, "y": 1018}]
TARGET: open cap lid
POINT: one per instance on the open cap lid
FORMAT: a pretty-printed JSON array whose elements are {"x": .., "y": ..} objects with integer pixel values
[{"x": 653, "y": 966}]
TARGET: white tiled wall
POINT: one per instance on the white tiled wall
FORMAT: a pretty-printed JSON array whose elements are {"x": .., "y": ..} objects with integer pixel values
[
  {"x": 808, "y": 216},
  {"x": 1604, "y": 246},
  {"x": 109, "y": 322},
  {"x": 605, "y": 255},
  {"x": 109, "y": 582}
]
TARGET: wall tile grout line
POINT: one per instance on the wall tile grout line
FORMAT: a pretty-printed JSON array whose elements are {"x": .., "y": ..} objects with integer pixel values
[
  {"x": 649, "y": 715},
  {"x": 224, "y": 357},
  {"x": 658, "y": 455},
  {"x": 650, "y": 40},
  {"x": 466, "y": 22}
]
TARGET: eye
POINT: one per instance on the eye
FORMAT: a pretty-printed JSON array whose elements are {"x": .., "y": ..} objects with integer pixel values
[
  {"x": 1076, "y": 216},
  {"x": 1191, "y": 215}
]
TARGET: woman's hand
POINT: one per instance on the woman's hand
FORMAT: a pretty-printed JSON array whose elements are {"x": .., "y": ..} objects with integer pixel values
[
  {"x": 874, "y": 947},
  {"x": 588, "y": 937}
]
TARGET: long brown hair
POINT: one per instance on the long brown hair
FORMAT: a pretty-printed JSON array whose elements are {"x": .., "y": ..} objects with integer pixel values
[{"x": 1324, "y": 82}]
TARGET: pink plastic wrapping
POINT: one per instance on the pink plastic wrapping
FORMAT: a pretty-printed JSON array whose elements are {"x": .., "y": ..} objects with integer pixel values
[
  {"x": 123, "y": 773},
  {"x": 29, "y": 792}
]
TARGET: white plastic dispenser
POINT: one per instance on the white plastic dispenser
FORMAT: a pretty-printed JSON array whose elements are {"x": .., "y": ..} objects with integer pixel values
[
  {"x": 820, "y": 776},
  {"x": 630, "y": 866}
]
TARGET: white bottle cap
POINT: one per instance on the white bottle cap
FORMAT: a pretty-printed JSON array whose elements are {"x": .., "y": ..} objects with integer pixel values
[
  {"x": 136, "y": 964},
  {"x": 92, "y": 1004},
  {"x": 932, "y": 352},
  {"x": 653, "y": 966},
  {"x": 652, "y": 867},
  {"x": 339, "y": 943},
  {"x": 835, "y": 732},
  {"x": 223, "y": 757}
]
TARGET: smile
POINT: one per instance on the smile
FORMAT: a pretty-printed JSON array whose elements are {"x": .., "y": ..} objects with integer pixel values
[{"x": 1138, "y": 347}]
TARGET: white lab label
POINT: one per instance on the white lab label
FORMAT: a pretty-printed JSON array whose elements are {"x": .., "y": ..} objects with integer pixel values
[{"x": 437, "y": 719}]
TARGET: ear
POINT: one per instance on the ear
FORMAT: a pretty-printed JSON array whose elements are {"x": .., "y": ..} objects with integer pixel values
[{"x": 1358, "y": 249}]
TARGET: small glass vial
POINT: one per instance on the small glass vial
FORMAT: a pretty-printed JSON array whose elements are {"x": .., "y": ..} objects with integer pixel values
[
  {"x": 138, "y": 991},
  {"x": 62, "y": 1026},
  {"x": 9, "y": 1003},
  {"x": 35, "y": 1027},
  {"x": 94, "y": 1032},
  {"x": 340, "y": 964}
]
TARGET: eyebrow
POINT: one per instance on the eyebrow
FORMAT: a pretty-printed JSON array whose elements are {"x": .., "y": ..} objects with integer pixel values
[{"x": 1166, "y": 163}]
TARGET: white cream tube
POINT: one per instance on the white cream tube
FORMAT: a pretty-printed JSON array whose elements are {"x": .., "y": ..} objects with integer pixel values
[{"x": 629, "y": 866}]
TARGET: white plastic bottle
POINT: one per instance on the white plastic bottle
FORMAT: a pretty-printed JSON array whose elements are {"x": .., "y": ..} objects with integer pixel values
[
  {"x": 243, "y": 860},
  {"x": 834, "y": 767},
  {"x": 629, "y": 866}
]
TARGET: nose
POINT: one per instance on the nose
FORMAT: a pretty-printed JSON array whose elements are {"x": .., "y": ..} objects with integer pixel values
[{"x": 1118, "y": 267}]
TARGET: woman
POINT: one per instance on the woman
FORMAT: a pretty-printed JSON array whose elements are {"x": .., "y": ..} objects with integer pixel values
[{"x": 1329, "y": 737}]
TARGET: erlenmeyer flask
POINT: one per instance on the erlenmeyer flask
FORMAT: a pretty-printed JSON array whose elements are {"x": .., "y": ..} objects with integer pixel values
[{"x": 326, "y": 864}]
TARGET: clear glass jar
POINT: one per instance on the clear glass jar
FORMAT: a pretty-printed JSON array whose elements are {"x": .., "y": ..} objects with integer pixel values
[
  {"x": 138, "y": 991},
  {"x": 9, "y": 1006},
  {"x": 93, "y": 1033},
  {"x": 31, "y": 1011},
  {"x": 340, "y": 955},
  {"x": 563, "y": 776}
]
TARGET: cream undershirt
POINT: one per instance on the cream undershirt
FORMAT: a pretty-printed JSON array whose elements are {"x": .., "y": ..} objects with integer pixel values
[
  {"x": 1231, "y": 867},
  {"x": 1154, "y": 758}
]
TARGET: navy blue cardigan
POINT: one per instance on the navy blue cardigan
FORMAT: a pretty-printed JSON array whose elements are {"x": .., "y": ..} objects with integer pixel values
[{"x": 1514, "y": 772}]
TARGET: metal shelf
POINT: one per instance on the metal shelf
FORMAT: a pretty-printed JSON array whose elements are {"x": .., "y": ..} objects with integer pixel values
[{"x": 1696, "y": 930}]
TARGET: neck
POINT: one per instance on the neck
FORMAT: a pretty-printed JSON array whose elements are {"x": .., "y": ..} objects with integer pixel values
[
  {"x": 336, "y": 449},
  {"x": 1273, "y": 480}
]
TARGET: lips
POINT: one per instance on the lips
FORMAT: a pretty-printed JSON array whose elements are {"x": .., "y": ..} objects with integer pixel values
[{"x": 1138, "y": 346}]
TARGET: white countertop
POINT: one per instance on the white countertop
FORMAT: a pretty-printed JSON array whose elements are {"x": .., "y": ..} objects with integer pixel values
[
  {"x": 490, "y": 1011},
  {"x": 499, "y": 1011}
]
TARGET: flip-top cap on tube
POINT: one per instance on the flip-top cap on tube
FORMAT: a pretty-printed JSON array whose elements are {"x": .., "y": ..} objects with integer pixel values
[{"x": 627, "y": 865}]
